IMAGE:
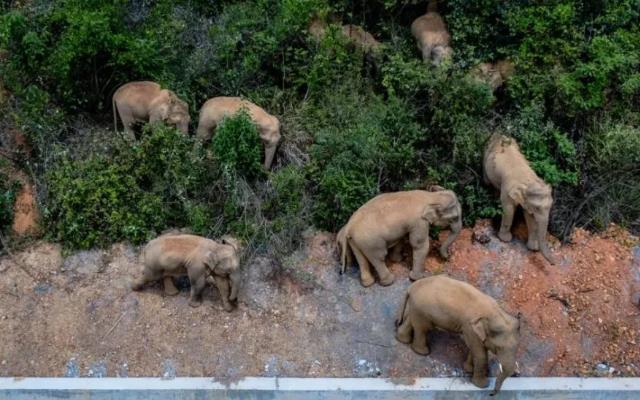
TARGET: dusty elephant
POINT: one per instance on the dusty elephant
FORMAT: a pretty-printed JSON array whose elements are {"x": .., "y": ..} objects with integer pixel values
[
  {"x": 507, "y": 170},
  {"x": 432, "y": 36},
  {"x": 148, "y": 102},
  {"x": 493, "y": 74},
  {"x": 384, "y": 221},
  {"x": 358, "y": 36},
  {"x": 215, "y": 109},
  {"x": 200, "y": 258},
  {"x": 455, "y": 306}
]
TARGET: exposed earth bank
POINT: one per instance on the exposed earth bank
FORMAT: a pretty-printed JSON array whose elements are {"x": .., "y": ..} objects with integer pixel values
[{"x": 75, "y": 316}]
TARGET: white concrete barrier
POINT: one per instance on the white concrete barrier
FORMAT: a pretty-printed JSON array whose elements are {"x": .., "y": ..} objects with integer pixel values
[{"x": 314, "y": 388}]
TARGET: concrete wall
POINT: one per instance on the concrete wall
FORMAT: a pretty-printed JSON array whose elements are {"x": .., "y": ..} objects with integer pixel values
[{"x": 313, "y": 389}]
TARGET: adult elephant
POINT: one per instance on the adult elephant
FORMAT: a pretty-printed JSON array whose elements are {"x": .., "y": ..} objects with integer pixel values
[
  {"x": 147, "y": 102},
  {"x": 508, "y": 170},
  {"x": 382, "y": 223},
  {"x": 455, "y": 306},
  {"x": 215, "y": 109}
]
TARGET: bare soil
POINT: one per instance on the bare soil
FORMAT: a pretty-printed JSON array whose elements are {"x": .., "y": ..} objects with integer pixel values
[{"x": 75, "y": 315}]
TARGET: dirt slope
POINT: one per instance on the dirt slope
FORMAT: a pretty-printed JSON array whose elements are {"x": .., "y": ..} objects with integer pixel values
[{"x": 76, "y": 317}]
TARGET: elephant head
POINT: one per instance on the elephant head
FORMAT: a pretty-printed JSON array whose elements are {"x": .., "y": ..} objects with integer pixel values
[
  {"x": 446, "y": 212},
  {"x": 500, "y": 333},
  {"x": 178, "y": 114},
  {"x": 536, "y": 199}
]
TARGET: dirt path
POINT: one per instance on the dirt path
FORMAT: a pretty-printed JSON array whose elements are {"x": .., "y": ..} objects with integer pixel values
[{"x": 79, "y": 319}]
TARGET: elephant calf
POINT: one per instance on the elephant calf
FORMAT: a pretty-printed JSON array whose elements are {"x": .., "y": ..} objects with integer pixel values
[
  {"x": 507, "y": 170},
  {"x": 493, "y": 74},
  {"x": 431, "y": 33},
  {"x": 200, "y": 258},
  {"x": 455, "y": 306},
  {"x": 148, "y": 102},
  {"x": 361, "y": 39},
  {"x": 385, "y": 220},
  {"x": 215, "y": 109}
]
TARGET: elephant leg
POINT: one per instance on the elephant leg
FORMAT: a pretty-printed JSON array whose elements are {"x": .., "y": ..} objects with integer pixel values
[
  {"x": 169, "y": 288},
  {"x": 404, "y": 333},
  {"x": 396, "y": 252},
  {"x": 366, "y": 278},
  {"x": 205, "y": 130},
  {"x": 197, "y": 286},
  {"x": 269, "y": 154},
  {"x": 508, "y": 209},
  {"x": 532, "y": 232},
  {"x": 468, "y": 364},
  {"x": 419, "y": 239},
  {"x": 376, "y": 256},
  {"x": 127, "y": 122},
  {"x": 222, "y": 284},
  {"x": 479, "y": 377},
  {"x": 421, "y": 327}
]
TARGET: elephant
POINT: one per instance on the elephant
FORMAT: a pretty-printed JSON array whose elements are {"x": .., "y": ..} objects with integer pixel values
[
  {"x": 215, "y": 109},
  {"x": 203, "y": 260},
  {"x": 493, "y": 74},
  {"x": 432, "y": 36},
  {"x": 384, "y": 221},
  {"x": 147, "y": 102},
  {"x": 508, "y": 170},
  {"x": 448, "y": 304},
  {"x": 356, "y": 34}
]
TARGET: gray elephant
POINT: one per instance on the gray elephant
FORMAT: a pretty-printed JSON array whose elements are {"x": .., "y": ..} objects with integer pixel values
[
  {"x": 508, "y": 170},
  {"x": 432, "y": 36},
  {"x": 202, "y": 259},
  {"x": 384, "y": 221},
  {"x": 148, "y": 102},
  {"x": 455, "y": 306}
]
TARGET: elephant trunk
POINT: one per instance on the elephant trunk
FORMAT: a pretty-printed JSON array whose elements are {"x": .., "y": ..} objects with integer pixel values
[
  {"x": 507, "y": 368},
  {"x": 542, "y": 240},
  {"x": 234, "y": 281},
  {"x": 456, "y": 228}
]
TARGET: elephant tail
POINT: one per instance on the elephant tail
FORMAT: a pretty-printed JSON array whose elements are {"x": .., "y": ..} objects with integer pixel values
[
  {"x": 344, "y": 249},
  {"x": 115, "y": 116},
  {"x": 402, "y": 310}
]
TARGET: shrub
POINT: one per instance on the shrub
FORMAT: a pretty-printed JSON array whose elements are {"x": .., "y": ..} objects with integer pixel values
[
  {"x": 237, "y": 147},
  {"x": 136, "y": 192},
  {"x": 8, "y": 192}
]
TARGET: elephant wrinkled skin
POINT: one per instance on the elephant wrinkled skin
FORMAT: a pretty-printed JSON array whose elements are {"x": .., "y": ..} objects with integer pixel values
[
  {"x": 455, "y": 306},
  {"x": 384, "y": 221},
  {"x": 507, "y": 170},
  {"x": 203, "y": 260},
  {"x": 215, "y": 109},
  {"x": 148, "y": 102}
]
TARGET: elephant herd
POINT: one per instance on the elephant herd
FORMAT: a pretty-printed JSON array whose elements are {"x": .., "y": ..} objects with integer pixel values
[{"x": 379, "y": 228}]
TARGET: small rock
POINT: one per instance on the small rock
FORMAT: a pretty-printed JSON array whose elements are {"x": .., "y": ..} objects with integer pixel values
[{"x": 480, "y": 237}]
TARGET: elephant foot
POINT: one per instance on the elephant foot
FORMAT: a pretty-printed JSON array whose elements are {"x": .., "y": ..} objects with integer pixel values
[
  {"x": 169, "y": 288},
  {"x": 195, "y": 303},
  {"x": 387, "y": 279},
  {"x": 480, "y": 381},
  {"x": 403, "y": 337},
  {"x": 444, "y": 255},
  {"x": 533, "y": 245},
  {"x": 367, "y": 281},
  {"x": 227, "y": 307},
  {"x": 414, "y": 276},
  {"x": 505, "y": 236},
  {"x": 137, "y": 286},
  {"x": 423, "y": 350}
]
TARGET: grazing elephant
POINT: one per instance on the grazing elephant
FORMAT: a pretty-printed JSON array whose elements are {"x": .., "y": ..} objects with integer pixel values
[
  {"x": 200, "y": 258},
  {"x": 358, "y": 36},
  {"x": 507, "y": 170},
  {"x": 148, "y": 102},
  {"x": 384, "y": 221},
  {"x": 445, "y": 303},
  {"x": 215, "y": 109},
  {"x": 493, "y": 74},
  {"x": 431, "y": 33}
]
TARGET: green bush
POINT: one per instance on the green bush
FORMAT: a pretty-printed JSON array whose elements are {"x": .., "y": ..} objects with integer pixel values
[
  {"x": 132, "y": 194},
  {"x": 8, "y": 192},
  {"x": 237, "y": 147}
]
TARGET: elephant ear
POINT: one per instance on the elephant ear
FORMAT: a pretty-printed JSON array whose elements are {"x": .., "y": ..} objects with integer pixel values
[
  {"x": 211, "y": 261},
  {"x": 479, "y": 328},
  {"x": 431, "y": 212},
  {"x": 517, "y": 193}
]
